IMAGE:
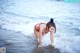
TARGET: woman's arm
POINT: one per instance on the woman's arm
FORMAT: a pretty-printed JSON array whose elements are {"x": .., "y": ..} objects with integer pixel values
[
  {"x": 52, "y": 29},
  {"x": 51, "y": 37}
]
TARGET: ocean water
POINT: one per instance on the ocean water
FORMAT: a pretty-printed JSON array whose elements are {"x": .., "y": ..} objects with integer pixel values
[{"x": 21, "y": 16}]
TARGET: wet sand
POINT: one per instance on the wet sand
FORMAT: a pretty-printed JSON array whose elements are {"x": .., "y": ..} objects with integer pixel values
[
  {"x": 46, "y": 50},
  {"x": 19, "y": 43}
]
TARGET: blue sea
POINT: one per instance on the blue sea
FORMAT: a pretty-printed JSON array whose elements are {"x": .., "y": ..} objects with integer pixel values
[{"x": 21, "y": 16}]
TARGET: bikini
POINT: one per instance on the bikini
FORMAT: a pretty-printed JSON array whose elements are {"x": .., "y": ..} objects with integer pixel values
[{"x": 38, "y": 28}]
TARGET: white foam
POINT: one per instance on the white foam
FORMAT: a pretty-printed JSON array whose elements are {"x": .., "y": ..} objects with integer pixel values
[
  {"x": 66, "y": 44},
  {"x": 23, "y": 25},
  {"x": 66, "y": 41}
]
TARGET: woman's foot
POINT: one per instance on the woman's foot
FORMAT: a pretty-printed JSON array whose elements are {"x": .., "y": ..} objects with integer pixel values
[{"x": 39, "y": 44}]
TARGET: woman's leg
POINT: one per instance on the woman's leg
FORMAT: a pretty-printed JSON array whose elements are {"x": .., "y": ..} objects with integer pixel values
[{"x": 37, "y": 36}]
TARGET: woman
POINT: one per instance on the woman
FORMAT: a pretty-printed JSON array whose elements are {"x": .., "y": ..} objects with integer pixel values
[{"x": 41, "y": 29}]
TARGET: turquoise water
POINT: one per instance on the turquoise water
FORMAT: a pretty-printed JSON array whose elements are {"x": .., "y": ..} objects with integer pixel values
[{"x": 71, "y": 0}]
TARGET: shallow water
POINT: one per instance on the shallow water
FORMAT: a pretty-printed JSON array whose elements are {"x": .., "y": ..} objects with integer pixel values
[
  {"x": 17, "y": 19},
  {"x": 16, "y": 42}
]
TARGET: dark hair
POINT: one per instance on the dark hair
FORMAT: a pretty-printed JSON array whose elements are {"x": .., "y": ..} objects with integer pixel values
[{"x": 51, "y": 23}]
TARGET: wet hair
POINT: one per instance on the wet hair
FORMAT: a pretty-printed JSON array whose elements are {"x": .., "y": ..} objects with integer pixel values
[{"x": 51, "y": 23}]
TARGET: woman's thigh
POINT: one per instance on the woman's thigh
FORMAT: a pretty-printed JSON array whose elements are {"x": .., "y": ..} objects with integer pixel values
[{"x": 36, "y": 33}]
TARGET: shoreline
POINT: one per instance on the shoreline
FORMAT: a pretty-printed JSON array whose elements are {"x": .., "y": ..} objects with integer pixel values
[
  {"x": 15, "y": 42},
  {"x": 18, "y": 43}
]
